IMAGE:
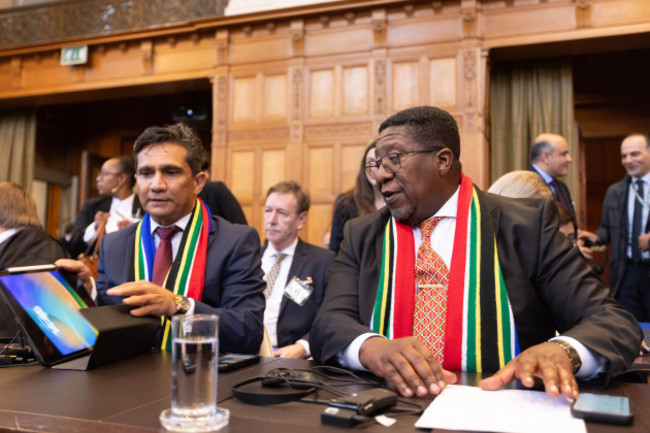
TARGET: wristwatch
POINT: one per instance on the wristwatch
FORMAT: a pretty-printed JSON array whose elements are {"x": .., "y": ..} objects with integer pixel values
[
  {"x": 574, "y": 357},
  {"x": 183, "y": 304}
]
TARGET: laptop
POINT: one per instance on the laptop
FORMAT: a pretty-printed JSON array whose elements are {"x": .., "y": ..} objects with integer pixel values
[{"x": 63, "y": 332}]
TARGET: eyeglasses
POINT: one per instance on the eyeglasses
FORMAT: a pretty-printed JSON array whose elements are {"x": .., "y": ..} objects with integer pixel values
[{"x": 392, "y": 162}]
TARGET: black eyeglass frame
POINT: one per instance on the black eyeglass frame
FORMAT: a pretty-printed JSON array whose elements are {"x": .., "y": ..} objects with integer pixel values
[{"x": 395, "y": 159}]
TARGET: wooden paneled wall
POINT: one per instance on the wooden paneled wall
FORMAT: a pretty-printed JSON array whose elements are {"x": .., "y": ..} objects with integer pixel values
[
  {"x": 301, "y": 99},
  {"x": 298, "y": 94}
]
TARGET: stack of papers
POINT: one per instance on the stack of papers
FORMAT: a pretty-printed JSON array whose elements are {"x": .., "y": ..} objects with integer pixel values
[{"x": 511, "y": 411}]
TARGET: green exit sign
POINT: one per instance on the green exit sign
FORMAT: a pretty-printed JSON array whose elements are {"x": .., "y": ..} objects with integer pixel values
[{"x": 74, "y": 55}]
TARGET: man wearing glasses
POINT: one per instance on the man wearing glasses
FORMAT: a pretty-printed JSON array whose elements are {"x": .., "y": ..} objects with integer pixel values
[
  {"x": 448, "y": 277},
  {"x": 117, "y": 207}
]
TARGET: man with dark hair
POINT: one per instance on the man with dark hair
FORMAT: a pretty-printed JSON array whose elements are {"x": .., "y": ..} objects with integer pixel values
[
  {"x": 178, "y": 259},
  {"x": 220, "y": 200},
  {"x": 550, "y": 158},
  {"x": 296, "y": 272},
  {"x": 625, "y": 224},
  {"x": 448, "y": 277},
  {"x": 118, "y": 207}
]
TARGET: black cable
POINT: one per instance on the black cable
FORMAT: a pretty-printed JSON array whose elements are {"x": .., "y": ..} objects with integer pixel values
[
  {"x": 10, "y": 342},
  {"x": 395, "y": 411}
]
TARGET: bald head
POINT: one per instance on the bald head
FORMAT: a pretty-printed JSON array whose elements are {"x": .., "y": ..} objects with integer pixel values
[
  {"x": 550, "y": 152},
  {"x": 635, "y": 154}
]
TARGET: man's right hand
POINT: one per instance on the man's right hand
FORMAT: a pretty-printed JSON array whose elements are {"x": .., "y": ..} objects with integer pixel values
[
  {"x": 407, "y": 363},
  {"x": 80, "y": 270}
]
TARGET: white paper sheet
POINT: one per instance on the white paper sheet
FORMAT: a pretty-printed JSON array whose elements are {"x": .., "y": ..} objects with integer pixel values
[{"x": 509, "y": 411}]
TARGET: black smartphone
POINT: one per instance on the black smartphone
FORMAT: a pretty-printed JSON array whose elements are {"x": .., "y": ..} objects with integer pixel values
[
  {"x": 603, "y": 408},
  {"x": 233, "y": 361}
]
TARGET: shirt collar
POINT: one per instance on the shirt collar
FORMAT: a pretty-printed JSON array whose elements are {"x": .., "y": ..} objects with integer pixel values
[
  {"x": 181, "y": 223},
  {"x": 7, "y": 234},
  {"x": 450, "y": 208},
  {"x": 116, "y": 201},
  {"x": 547, "y": 177},
  {"x": 289, "y": 251},
  {"x": 645, "y": 178}
]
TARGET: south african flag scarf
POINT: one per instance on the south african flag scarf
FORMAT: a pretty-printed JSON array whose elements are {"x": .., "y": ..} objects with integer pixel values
[
  {"x": 480, "y": 332},
  {"x": 187, "y": 273}
]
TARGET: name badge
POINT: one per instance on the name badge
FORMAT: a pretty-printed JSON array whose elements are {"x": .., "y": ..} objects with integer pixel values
[{"x": 299, "y": 290}]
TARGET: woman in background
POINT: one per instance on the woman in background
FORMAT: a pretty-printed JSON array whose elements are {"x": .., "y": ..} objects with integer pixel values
[
  {"x": 23, "y": 242},
  {"x": 362, "y": 199}
]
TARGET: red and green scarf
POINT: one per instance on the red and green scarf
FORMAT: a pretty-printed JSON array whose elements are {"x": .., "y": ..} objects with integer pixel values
[
  {"x": 480, "y": 332},
  {"x": 186, "y": 276}
]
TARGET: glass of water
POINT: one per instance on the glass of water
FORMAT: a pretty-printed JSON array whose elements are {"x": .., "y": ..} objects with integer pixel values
[{"x": 195, "y": 351}]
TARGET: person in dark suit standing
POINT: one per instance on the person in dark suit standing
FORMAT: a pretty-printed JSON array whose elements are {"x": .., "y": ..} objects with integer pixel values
[
  {"x": 296, "y": 272},
  {"x": 451, "y": 278},
  {"x": 550, "y": 158},
  {"x": 178, "y": 259},
  {"x": 220, "y": 200},
  {"x": 625, "y": 224},
  {"x": 118, "y": 206}
]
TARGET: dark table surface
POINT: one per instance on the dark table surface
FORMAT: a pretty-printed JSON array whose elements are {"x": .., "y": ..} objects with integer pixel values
[{"x": 128, "y": 396}]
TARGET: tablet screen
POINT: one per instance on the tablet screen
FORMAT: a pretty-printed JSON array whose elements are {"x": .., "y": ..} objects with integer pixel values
[{"x": 47, "y": 306}]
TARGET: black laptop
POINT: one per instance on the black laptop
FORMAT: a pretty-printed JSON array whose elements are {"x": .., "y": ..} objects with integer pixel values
[{"x": 63, "y": 332}]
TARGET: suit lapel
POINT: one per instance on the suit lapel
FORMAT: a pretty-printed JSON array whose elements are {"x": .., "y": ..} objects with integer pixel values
[
  {"x": 296, "y": 267},
  {"x": 622, "y": 204},
  {"x": 212, "y": 234},
  {"x": 130, "y": 256}
]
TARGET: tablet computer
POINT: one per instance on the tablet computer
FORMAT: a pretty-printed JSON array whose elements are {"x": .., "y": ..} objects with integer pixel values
[{"x": 48, "y": 311}]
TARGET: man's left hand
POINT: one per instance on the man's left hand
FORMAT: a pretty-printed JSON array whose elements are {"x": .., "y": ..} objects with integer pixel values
[
  {"x": 644, "y": 242},
  {"x": 294, "y": 351},
  {"x": 152, "y": 299},
  {"x": 548, "y": 361}
]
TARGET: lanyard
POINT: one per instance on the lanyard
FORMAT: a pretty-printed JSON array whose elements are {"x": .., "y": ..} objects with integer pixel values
[{"x": 639, "y": 198}]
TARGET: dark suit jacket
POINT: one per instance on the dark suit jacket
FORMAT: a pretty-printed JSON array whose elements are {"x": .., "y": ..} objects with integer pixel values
[
  {"x": 234, "y": 285},
  {"x": 222, "y": 202},
  {"x": 343, "y": 211},
  {"x": 29, "y": 246},
  {"x": 564, "y": 191},
  {"x": 614, "y": 229},
  {"x": 295, "y": 320},
  {"x": 550, "y": 285}
]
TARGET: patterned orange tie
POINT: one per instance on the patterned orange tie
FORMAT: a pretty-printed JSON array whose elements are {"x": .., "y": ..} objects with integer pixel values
[{"x": 431, "y": 297}]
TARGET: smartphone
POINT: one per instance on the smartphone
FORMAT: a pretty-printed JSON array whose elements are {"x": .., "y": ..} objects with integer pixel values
[
  {"x": 233, "y": 361},
  {"x": 603, "y": 408}
]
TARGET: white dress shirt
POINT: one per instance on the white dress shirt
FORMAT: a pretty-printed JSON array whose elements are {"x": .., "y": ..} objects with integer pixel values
[{"x": 274, "y": 301}]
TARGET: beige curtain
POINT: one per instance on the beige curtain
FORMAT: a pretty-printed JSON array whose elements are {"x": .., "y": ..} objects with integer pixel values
[
  {"x": 17, "y": 142},
  {"x": 526, "y": 99}
]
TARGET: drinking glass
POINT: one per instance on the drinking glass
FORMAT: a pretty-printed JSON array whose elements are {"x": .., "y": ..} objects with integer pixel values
[{"x": 195, "y": 351}]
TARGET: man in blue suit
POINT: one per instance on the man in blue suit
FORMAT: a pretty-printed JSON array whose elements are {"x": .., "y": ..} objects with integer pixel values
[
  {"x": 297, "y": 272},
  {"x": 178, "y": 259}
]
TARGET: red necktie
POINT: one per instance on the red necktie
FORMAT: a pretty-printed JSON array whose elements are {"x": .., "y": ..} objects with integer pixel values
[
  {"x": 431, "y": 297},
  {"x": 163, "y": 260}
]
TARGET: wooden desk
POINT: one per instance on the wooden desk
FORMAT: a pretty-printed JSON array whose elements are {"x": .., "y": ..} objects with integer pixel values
[{"x": 128, "y": 396}]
